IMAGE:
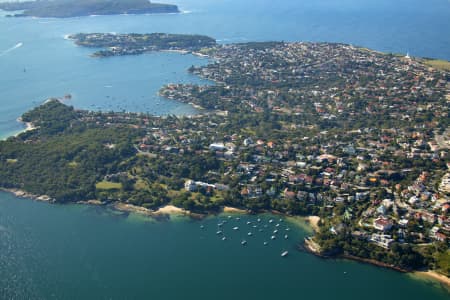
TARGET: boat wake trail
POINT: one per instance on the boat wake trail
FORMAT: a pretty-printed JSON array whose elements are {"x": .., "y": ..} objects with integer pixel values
[{"x": 18, "y": 45}]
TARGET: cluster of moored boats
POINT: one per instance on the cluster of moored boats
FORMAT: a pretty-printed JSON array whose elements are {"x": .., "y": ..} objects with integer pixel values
[{"x": 274, "y": 228}]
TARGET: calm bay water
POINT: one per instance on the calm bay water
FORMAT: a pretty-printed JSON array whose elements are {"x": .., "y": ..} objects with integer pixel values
[
  {"x": 36, "y": 62},
  {"x": 80, "y": 252},
  {"x": 76, "y": 252}
]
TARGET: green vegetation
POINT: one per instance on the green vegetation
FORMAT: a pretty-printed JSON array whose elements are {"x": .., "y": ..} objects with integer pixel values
[
  {"x": 134, "y": 43},
  {"x": 443, "y": 65},
  {"x": 322, "y": 129},
  {"x": 76, "y": 8},
  {"x": 107, "y": 185},
  {"x": 443, "y": 262},
  {"x": 63, "y": 158}
]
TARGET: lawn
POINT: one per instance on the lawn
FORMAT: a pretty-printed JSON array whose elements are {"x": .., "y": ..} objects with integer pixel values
[{"x": 108, "y": 185}]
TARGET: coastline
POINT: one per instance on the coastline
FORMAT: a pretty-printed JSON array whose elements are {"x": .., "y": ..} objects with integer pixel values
[
  {"x": 434, "y": 276},
  {"x": 165, "y": 212},
  {"x": 234, "y": 210},
  {"x": 373, "y": 262},
  {"x": 182, "y": 52},
  {"x": 314, "y": 222},
  {"x": 25, "y": 195},
  {"x": 162, "y": 211},
  {"x": 309, "y": 245},
  {"x": 28, "y": 126},
  {"x": 312, "y": 247}
]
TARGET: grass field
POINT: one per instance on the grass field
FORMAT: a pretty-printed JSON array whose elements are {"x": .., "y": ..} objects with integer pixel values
[
  {"x": 438, "y": 64},
  {"x": 107, "y": 185}
]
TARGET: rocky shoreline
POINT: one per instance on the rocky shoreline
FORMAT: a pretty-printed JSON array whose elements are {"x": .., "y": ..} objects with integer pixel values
[
  {"x": 162, "y": 212},
  {"x": 22, "y": 194},
  {"x": 310, "y": 246}
]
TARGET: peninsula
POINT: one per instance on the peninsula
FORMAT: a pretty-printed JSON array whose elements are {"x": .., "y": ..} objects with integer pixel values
[
  {"x": 357, "y": 137},
  {"x": 78, "y": 8},
  {"x": 133, "y": 44}
]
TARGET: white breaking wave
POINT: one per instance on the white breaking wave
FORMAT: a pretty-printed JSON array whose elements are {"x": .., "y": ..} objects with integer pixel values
[{"x": 18, "y": 45}]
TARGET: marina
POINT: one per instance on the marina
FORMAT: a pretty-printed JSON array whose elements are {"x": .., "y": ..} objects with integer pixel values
[{"x": 254, "y": 238}]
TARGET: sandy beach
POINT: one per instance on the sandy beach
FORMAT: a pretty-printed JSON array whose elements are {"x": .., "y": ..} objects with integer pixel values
[
  {"x": 171, "y": 210},
  {"x": 28, "y": 126},
  {"x": 434, "y": 276},
  {"x": 314, "y": 222},
  {"x": 233, "y": 210},
  {"x": 165, "y": 210}
]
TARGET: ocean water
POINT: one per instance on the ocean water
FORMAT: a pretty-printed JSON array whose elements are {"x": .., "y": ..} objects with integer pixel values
[
  {"x": 79, "y": 252},
  {"x": 36, "y": 62}
]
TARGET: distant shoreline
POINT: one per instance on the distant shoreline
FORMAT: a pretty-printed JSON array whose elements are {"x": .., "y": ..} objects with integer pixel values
[
  {"x": 84, "y": 8},
  {"x": 82, "y": 16}
]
